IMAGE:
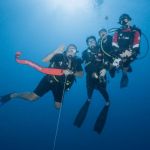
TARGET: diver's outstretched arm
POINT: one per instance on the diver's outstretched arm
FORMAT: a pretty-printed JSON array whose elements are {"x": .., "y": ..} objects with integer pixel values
[{"x": 59, "y": 50}]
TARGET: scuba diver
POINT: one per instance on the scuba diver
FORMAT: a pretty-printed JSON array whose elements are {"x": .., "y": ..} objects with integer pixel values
[
  {"x": 60, "y": 59},
  {"x": 126, "y": 44},
  {"x": 95, "y": 69},
  {"x": 105, "y": 44},
  {"x": 95, "y": 76}
]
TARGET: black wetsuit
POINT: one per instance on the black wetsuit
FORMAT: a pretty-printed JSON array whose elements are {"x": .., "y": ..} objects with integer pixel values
[
  {"x": 93, "y": 60},
  {"x": 127, "y": 39},
  {"x": 57, "y": 84}
]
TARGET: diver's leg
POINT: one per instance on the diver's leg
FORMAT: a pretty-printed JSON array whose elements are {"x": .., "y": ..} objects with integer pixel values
[
  {"x": 112, "y": 70},
  {"x": 89, "y": 87},
  {"x": 124, "y": 79},
  {"x": 30, "y": 96},
  {"x": 90, "y": 92},
  {"x": 58, "y": 91},
  {"x": 102, "y": 89},
  {"x": 58, "y": 105},
  {"x": 125, "y": 69},
  {"x": 42, "y": 88}
]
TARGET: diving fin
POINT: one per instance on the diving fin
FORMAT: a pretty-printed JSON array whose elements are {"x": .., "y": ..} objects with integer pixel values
[
  {"x": 81, "y": 114},
  {"x": 4, "y": 99},
  {"x": 124, "y": 81},
  {"x": 101, "y": 120}
]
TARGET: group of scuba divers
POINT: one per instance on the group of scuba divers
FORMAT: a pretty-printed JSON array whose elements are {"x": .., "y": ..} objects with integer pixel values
[{"x": 109, "y": 53}]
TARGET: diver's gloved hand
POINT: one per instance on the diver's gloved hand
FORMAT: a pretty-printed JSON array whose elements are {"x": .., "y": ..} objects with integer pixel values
[
  {"x": 95, "y": 75},
  {"x": 102, "y": 73},
  {"x": 116, "y": 63},
  {"x": 68, "y": 72}
]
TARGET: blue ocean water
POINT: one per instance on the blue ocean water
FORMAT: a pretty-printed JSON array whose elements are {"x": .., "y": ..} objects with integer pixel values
[{"x": 37, "y": 27}]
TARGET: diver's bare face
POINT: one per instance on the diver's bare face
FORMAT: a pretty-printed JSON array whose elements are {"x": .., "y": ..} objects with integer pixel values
[
  {"x": 71, "y": 52},
  {"x": 92, "y": 43}
]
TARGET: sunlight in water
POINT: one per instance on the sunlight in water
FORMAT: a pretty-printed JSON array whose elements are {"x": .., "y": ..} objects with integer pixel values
[{"x": 71, "y": 6}]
